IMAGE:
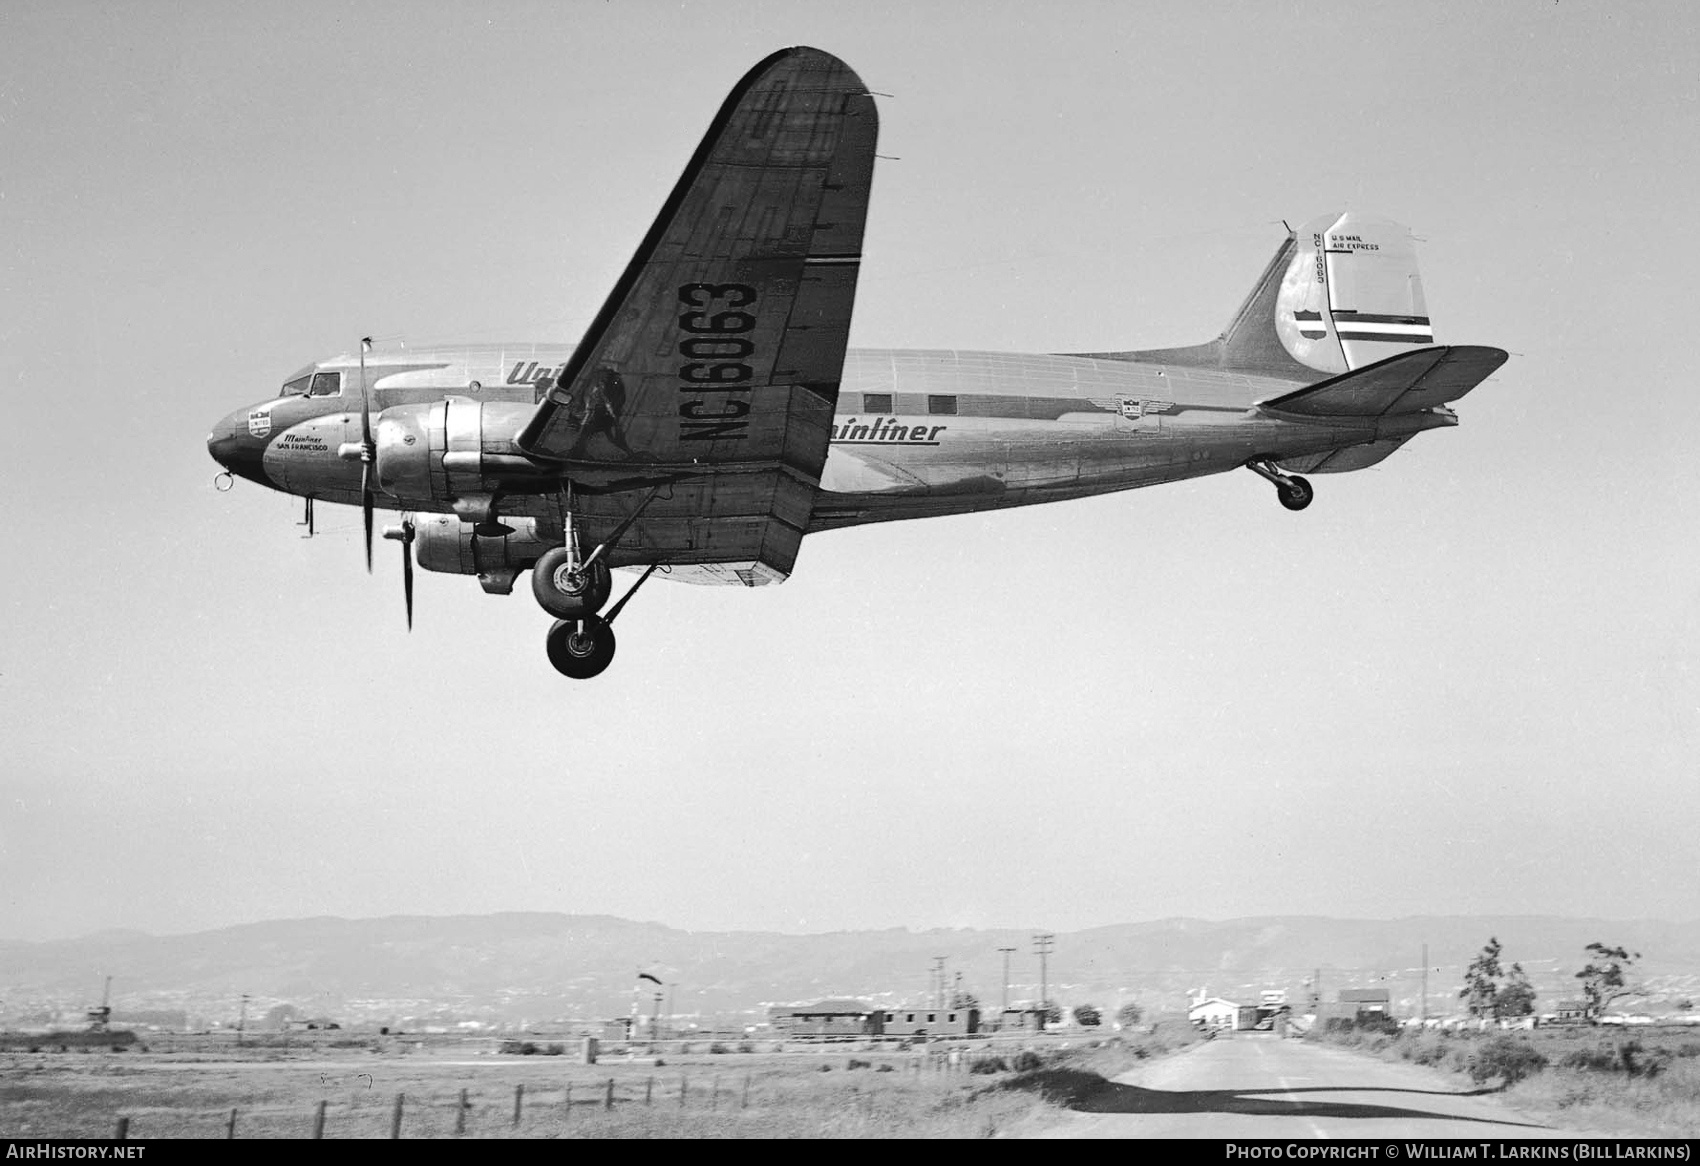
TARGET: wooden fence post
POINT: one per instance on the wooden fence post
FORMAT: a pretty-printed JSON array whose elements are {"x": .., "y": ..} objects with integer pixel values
[
  {"x": 684, "y": 1084},
  {"x": 746, "y": 1104},
  {"x": 649, "y": 1090},
  {"x": 123, "y": 1130},
  {"x": 395, "y": 1118},
  {"x": 608, "y": 1102},
  {"x": 569, "y": 1104},
  {"x": 230, "y": 1126},
  {"x": 460, "y": 1115},
  {"x": 319, "y": 1121},
  {"x": 519, "y": 1094}
]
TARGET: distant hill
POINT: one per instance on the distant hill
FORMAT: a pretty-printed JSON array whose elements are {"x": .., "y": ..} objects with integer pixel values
[{"x": 541, "y": 969}]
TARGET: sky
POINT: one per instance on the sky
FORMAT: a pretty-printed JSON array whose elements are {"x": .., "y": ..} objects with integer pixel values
[{"x": 1463, "y": 681}]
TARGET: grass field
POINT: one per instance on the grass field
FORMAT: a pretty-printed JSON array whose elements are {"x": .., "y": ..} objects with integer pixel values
[
  {"x": 277, "y": 1094},
  {"x": 1637, "y": 1082}
]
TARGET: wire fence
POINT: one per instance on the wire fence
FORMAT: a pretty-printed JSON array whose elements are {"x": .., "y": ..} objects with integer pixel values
[{"x": 561, "y": 1108}]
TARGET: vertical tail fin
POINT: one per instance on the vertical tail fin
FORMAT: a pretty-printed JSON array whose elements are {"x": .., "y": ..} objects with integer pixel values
[{"x": 1351, "y": 295}]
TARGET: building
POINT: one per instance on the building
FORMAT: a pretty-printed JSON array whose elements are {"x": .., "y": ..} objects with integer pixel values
[
  {"x": 1213, "y": 1012},
  {"x": 1021, "y": 1020},
  {"x": 1354, "y": 1006},
  {"x": 827, "y": 1019},
  {"x": 930, "y": 1021}
]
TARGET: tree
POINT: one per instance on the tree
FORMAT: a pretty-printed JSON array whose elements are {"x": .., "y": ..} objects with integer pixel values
[
  {"x": 1606, "y": 977},
  {"x": 1052, "y": 1012},
  {"x": 1517, "y": 998},
  {"x": 1481, "y": 980},
  {"x": 1483, "y": 993},
  {"x": 962, "y": 1000},
  {"x": 1088, "y": 1015},
  {"x": 1128, "y": 1015}
]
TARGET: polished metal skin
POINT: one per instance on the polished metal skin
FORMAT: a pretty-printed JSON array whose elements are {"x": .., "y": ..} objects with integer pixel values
[{"x": 712, "y": 416}]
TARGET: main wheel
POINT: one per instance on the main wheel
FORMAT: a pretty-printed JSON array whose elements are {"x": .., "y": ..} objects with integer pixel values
[
  {"x": 1298, "y": 495},
  {"x": 565, "y": 593},
  {"x": 580, "y": 648}
]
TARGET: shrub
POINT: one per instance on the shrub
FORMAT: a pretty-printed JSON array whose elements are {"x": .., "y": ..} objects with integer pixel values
[
  {"x": 745, "y": 1046},
  {"x": 989, "y": 1065},
  {"x": 885, "y": 1068},
  {"x": 1505, "y": 1058},
  {"x": 1027, "y": 1060},
  {"x": 717, "y": 1047},
  {"x": 823, "y": 1067},
  {"x": 855, "y": 1064},
  {"x": 1595, "y": 1060}
]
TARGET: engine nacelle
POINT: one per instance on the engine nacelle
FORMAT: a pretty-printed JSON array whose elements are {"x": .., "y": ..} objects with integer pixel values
[
  {"x": 458, "y": 448},
  {"x": 442, "y": 542}
]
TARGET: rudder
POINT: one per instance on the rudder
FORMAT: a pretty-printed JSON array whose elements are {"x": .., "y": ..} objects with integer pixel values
[{"x": 1351, "y": 295}]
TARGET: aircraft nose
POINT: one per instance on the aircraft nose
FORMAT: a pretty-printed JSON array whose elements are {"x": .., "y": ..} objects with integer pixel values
[{"x": 232, "y": 447}]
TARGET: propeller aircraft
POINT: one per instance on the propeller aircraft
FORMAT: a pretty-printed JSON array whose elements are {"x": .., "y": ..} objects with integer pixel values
[{"x": 711, "y": 415}]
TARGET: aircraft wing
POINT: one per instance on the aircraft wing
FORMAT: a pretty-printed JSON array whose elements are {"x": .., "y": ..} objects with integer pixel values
[
  {"x": 1408, "y": 383},
  {"x": 714, "y": 364}
]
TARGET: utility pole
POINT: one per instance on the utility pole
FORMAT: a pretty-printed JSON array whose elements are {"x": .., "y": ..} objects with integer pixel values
[
  {"x": 1422, "y": 1013},
  {"x": 938, "y": 981},
  {"x": 242, "y": 1019},
  {"x": 1042, "y": 943},
  {"x": 1006, "y": 951},
  {"x": 655, "y": 1020}
]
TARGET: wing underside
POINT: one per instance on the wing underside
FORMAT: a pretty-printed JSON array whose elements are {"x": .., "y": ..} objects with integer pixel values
[{"x": 712, "y": 370}]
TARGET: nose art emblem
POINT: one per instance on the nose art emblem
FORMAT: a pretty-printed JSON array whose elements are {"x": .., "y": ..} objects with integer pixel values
[{"x": 259, "y": 422}]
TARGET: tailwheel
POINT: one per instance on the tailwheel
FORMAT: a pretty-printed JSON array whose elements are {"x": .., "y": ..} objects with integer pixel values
[
  {"x": 567, "y": 590},
  {"x": 581, "y": 648},
  {"x": 1296, "y": 494}
]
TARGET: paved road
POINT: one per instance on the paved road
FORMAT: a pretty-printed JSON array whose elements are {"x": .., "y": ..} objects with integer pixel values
[{"x": 1258, "y": 1086}]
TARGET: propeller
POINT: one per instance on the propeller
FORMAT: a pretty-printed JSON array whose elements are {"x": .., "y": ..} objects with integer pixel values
[
  {"x": 404, "y": 535},
  {"x": 368, "y": 456},
  {"x": 365, "y": 452}
]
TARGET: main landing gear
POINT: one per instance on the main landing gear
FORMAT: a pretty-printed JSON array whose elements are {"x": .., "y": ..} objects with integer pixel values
[
  {"x": 1295, "y": 493},
  {"x": 573, "y": 590}
]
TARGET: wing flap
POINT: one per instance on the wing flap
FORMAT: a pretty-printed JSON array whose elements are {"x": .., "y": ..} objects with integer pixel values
[{"x": 1412, "y": 382}]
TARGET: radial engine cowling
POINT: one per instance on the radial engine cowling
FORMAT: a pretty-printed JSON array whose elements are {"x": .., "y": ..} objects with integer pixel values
[
  {"x": 442, "y": 542},
  {"x": 444, "y": 450}
]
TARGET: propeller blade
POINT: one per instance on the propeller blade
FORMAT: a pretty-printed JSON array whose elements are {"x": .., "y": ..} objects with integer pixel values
[
  {"x": 407, "y": 573},
  {"x": 366, "y": 508},
  {"x": 404, "y": 535},
  {"x": 368, "y": 452}
]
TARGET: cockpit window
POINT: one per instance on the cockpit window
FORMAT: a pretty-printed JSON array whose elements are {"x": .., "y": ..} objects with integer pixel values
[
  {"x": 296, "y": 387},
  {"x": 326, "y": 384}
]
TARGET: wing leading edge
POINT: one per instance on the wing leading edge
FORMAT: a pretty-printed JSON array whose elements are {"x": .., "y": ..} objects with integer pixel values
[{"x": 717, "y": 356}]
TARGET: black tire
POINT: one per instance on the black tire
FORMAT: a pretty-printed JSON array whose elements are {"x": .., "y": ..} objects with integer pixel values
[
  {"x": 555, "y": 592},
  {"x": 581, "y": 652},
  {"x": 1298, "y": 495}
]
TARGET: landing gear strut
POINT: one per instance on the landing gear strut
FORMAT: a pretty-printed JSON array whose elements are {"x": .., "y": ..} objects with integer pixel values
[
  {"x": 573, "y": 590},
  {"x": 1295, "y": 493}
]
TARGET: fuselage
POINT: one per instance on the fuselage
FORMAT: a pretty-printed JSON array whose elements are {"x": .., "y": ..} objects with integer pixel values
[{"x": 917, "y": 433}]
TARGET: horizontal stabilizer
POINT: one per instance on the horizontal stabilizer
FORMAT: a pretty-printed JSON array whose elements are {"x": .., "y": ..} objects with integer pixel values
[
  {"x": 1340, "y": 461},
  {"x": 1412, "y": 382}
]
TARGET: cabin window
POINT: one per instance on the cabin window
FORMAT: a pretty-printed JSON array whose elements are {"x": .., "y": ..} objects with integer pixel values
[
  {"x": 326, "y": 384},
  {"x": 876, "y": 402},
  {"x": 297, "y": 387},
  {"x": 941, "y": 406}
]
